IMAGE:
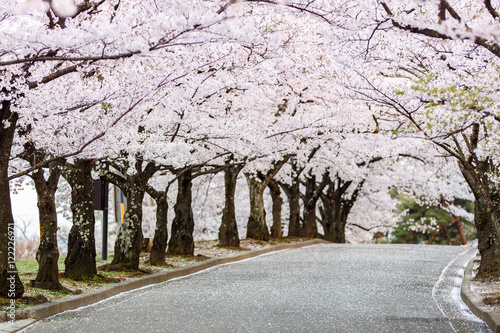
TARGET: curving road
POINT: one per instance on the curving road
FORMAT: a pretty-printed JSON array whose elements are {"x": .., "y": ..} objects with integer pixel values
[{"x": 324, "y": 288}]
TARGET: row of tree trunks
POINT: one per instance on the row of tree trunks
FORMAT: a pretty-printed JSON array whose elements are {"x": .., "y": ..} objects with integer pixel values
[
  {"x": 81, "y": 257},
  {"x": 10, "y": 284},
  {"x": 336, "y": 207},
  {"x": 80, "y": 263}
]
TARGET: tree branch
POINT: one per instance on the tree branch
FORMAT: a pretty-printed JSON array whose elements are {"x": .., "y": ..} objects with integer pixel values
[
  {"x": 62, "y": 58},
  {"x": 53, "y": 76},
  {"x": 490, "y": 8},
  {"x": 488, "y": 45},
  {"x": 77, "y": 152}
]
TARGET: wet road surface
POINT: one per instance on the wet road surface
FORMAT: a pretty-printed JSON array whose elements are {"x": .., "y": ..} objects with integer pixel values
[{"x": 324, "y": 288}]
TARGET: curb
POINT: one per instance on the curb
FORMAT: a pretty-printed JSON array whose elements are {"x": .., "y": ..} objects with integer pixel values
[
  {"x": 54, "y": 307},
  {"x": 491, "y": 318},
  {"x": 17, "y": 326}
]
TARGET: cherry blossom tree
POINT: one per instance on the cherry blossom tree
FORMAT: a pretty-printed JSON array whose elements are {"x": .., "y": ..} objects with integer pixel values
[
  {"x": 312, "y": 92},
  {"x": 40, "y": 48},
  {"x": 444, "y": 95},
  {"x": 432, "y": 63}
]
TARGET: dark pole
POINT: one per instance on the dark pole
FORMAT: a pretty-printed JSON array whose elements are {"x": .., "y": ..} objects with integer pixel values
[{"x": 105, "y": 199}]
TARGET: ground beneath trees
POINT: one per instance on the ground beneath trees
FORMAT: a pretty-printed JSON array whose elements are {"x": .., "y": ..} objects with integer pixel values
[
  {"x": 486, "y": 289},
  {"x": 203, "y": 250}
]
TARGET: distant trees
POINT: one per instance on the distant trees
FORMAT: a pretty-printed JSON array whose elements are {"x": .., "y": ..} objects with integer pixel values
[{"x": 433, "y": 225}]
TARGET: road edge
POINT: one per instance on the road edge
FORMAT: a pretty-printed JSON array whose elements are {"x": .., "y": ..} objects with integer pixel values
[
  {"x": 52, "y": 308},
  {"x": 491, "y": 318}
]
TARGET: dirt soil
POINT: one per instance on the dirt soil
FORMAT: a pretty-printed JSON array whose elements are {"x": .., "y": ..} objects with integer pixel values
[{"x": 203, "y": 250}]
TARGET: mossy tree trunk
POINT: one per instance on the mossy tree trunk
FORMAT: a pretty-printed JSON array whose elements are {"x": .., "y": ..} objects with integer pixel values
[
  {"x": 128, "y": 242},
  {"x": 256, "y": 226},
  {"x": 228, "y": 231},
  {"x": 47, "y": 254},
  {"x": 80, "y": 263},
  {"x": 181, "y": 240},
  {"x": 276, "y": 230},
  {"x": 8, "y": 271}
]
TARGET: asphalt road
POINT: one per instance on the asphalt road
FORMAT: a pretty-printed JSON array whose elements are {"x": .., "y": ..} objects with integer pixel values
[{"x": 324, "y": 288}]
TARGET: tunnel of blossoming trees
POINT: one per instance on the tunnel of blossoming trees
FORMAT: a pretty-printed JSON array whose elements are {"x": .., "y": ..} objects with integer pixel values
[{"x": 316, "y": 109}]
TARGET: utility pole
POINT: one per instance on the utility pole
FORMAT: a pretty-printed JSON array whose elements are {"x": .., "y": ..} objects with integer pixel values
[
  {"x": 101, "y": 202},
  {"x": 105, "y": 206}
]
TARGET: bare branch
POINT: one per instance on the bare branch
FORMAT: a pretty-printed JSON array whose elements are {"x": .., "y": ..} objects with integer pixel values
[
  {"x": 53, "y": 76},
  {"x": 62, "y": 58}
]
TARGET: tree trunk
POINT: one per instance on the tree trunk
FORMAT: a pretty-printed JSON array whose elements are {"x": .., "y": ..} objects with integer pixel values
[
  {"x": 48, "y": 250},
  {"x": 228, "y": 231},
  {"x": 128, "y": 243},
  {"x": 294, "y": 203},
  {"x": 334, "y": 225},
  {"x": 310, "y": 228},
  {"x": 256, "y": 226},
  {"x": 486, "y": 219},
  {"x": 460, "y": 229},
  {"x": 276, "y": 231},
  {"x": 486, "y": 214},
  {"x": 433, "y": 236},
  {"x": 181, "y": 241},
  {"x": 336, "y": 210},
  {"x": 339, "y": 228},
  {"x": 328, "y": 219},
  {"x": 80, "y": 263},
  {"x": 10, "y": 284},
  {"x": 293, "y": 195},
  {"x": 160, "y": 239}
]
